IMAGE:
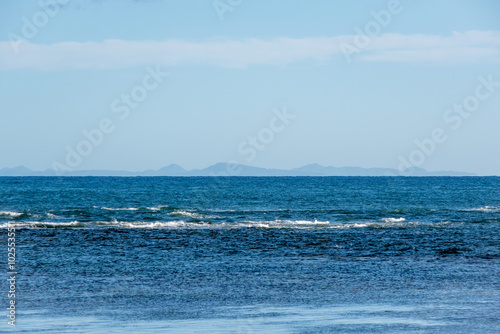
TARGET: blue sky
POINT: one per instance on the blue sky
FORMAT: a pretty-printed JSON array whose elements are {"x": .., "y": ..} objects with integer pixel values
[{"x": 233, "y": 66}]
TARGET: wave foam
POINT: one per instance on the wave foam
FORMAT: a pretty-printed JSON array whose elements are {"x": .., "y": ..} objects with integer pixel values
[
  {"x": 242, "y": 224},
  {"x": 159, "y": 208},
  {"x": 148, "y": 225},
  {"x": 392, "y": 220},
  {"x": 486, "y": 209},
  {"x": 182, "y": 213},
  {"x": 119, "y": 209},
  {"x": 10, "y": 213},
  {"x": 43, "y": 224},
  {"x": 182, "y": 224},
  {"x": 284, "y": 223},
  {"x": 173, "y": 224}
]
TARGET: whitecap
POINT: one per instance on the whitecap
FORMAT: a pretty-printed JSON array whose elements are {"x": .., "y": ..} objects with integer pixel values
[
  {"x": 194, "y": 215},
  {"x": 486, "y": 209},
  {"x": 10, "y": 213},
  {"x": 392, "y": 220},
  {"x": 284, "y": 223},
  {"x": 119, "y": 209},
  {"x": 158, "y": 208},
  {"x": 151, "y": 225},
  {"x": 352, "y": 225},
  {"x": 56, "y": 224},
  {"x": 169, "y": 224},
  {"x": 44, "y": 224}
]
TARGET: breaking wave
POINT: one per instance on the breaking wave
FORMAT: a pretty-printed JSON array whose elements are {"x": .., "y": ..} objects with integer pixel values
[
  {"x": 392, "y": 220},
  {"x": 119, "y": 209},
  {"x": 10, "y": 214},
  {"x": 182, "y": 224},
  {"x": 486, "y": 209},
  {"x": 182, "y": 213}
]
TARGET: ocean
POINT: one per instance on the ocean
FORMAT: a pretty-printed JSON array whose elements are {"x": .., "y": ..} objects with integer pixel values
[{"x": 250, "y": 254}]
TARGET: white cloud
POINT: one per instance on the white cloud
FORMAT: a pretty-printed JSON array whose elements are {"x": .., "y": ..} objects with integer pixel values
[
  {"x": 471, "y": 46},
  {"x": 468, "y": 47}
]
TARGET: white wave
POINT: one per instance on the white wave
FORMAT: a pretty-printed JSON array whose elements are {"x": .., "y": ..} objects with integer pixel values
[
  {"x": 446, "y": 223},
  {"x": 119, "y": 209},
  {"x": 57, "y": 224},
  {"x": 10, "y": 213},
  {"x": 284, "y": 224},
  {"x": 486, "y": 209},
  {"x": 189, "y": 225},
  {"x": 44, "y": 224},
  {"x": 392, "y": 220},
  {"x": 149, "y": 225},
  {"x": 181, "y": 224},
  {"x": 352, "y": 225},
  {"x": 158, "y": 208},
  {"x": 195, "y": 215},
  {"x": 307, "y": 222},
  {"x": 386, "y": 224},
  {"x": 253, "y": 224},
  {"x": 186, "y": 214},
  {"x": 170, "y": 224}
]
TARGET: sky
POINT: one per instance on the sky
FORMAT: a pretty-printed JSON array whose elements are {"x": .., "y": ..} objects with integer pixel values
[{"x": 135, "y": 85}]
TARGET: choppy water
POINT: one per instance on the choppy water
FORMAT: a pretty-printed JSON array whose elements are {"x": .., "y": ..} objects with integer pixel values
[{"x": 254, "y": 255}]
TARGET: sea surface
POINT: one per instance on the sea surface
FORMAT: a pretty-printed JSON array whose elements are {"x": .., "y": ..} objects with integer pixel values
[{"x": 252, "y": 254}]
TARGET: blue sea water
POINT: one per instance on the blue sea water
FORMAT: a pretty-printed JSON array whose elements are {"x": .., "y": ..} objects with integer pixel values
[{"x": 253, "y": 255}]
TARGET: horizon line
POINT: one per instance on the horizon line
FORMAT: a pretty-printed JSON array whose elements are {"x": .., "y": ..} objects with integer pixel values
[{"x": 236, "y": 165}]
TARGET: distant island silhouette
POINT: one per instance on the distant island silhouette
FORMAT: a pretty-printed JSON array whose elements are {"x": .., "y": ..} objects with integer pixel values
[{"x": 234, "y": 169}]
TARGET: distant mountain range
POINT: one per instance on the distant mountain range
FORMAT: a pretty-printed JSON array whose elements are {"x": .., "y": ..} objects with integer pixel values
[{"x": 227, "y": 169}]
